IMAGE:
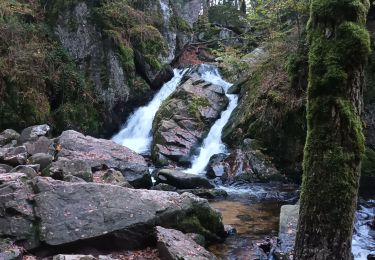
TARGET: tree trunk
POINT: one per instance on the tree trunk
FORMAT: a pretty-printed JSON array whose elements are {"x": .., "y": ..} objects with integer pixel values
[{"x": 339, "y": 46}]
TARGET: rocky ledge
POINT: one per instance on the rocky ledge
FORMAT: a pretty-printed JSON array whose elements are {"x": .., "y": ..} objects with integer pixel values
[{"x": 74, "y": 188}]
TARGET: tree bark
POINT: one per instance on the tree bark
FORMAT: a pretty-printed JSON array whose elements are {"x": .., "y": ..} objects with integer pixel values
[{"x": 339, "y": 46}]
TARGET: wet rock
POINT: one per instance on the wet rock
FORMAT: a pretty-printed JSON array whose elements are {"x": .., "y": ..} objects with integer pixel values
[
  {"x": 7, "y": 136},
  {"x": 182, "y": 180},
  {"x": 13, "y": 156},
  {"x": 4, "y": 168},
  {"x": 230, "y": 230},
  {"x": 42, "y": 159},
  {"x": 288, "y": 227},
  {"x": 29, "y": 171},
  {"x": 173, "y": 244},
  {"x": 207, "y": 193},
  {"x": 59, "y": 170},
  {"x": 185, "y": 118},
  {"x": 88, "y": 210},
  {"x": 216, "y": 167},
  {"x": 41, "y": 145},
  {"x": 17, "y": 220},
  {"x": 163, "y": 187},
  {"x": 99, "y": 153},
  {"x": 8, "y": 251},
  {"x": 32, "y": 133}
]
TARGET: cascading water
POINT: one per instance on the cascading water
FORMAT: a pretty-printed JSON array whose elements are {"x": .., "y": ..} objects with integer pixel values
[
  {"x": 136, "y": 133},
  {"x": 212, "y": 144},
  {"x": 364, "y": 236}
]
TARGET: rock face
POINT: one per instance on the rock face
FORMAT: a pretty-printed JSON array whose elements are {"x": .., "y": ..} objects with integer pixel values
[
  {"x": 7, "y": 136},
  {"x": 57, "y": 212},
  {"x": 17, "y": 219},
  {"x": 245, "y": 164},
  {"x": 185, "y": 118},
  {"x": 97, "y": 55},
  {"x": 173, "y": 244},
  {"x": 182, "y": 180},
  {"x": 72, "y": 211},
  {"x": 99, "y": 153}
]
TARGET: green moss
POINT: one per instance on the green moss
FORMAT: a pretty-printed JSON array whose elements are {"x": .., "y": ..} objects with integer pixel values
[
  {"x": 368, "y": 164},
  {"x": 180, "y": 24},
  {"x": 339, "y": 46},
  {"x": 195, "y": 104}
]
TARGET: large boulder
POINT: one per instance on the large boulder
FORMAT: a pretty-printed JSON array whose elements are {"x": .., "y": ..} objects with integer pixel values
[
  {"x": 17, "y": 219},
  {"x": 99, "y": 153},
  {"x": 13, "y": 155},
  {"x": 173, "y": 244},
  {"x": 32, "y": 133},
  {"x": 185, "y": 118},
  {"x": 182, "y": 180},
  {"x": 246, "y": 164},
  {"x": 7, "y": 136},
  {"x": 70, "y": 212}
]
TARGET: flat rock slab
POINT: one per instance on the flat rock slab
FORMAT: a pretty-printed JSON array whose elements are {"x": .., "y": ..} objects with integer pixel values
[
  {"x": 97, "y": 153},
  {"x": 182, "y": 180},
  {"x": 70, "y": 212},
  {"x": 173, "y": 244}
]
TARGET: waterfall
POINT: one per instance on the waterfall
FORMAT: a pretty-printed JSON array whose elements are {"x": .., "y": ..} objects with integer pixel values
[
  {"x": 136, "y": 132},
  {"x": 212, "y": 144}
]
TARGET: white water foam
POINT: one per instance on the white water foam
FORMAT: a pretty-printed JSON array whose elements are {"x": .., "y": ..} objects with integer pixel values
[
  {"x": 213, "y": 144},
  {"x": 136, "y": 132}
]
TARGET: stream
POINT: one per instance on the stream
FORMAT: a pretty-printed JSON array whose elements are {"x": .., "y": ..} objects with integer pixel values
[{"x": 252, "y": 208}]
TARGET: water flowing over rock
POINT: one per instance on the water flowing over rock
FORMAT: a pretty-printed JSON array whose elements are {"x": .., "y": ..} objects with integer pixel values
[
  {"x": 99, "y": 152},
  {"x": 213, "y": 144},
  {"x": 136, "y": 133},
  {"x": 185, "y": 118}
]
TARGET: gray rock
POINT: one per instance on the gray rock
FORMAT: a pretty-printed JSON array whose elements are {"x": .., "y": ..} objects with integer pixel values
[
  {"x": 173, "y": 244},
  {"x": 78, "y": 168},
  {"x": 163, "y": 187},
  {"x": 4, "y": 168},
  {"x": 207, "y": 193},
  {"x": 288, "y": 227},
  {"x": 185, "y": 118},
  {"x": 111, "y": 176},
  {"x": 43, "y": 159},
  {"x": 8, "y": 136},
  {"x": 8, "y": 251},
  {"x": 99, "y": 152},
  {"x": 41, "y": 145},
  {"x": 74, "y": 257},
  {"x": 17, "y": 220},
  {"x": 32, "y": 133},
  {"x": 70, "y": 212},
  {"x": 182, "y": 180},
  {"x": 14, "y": 155},
  {"x": 29, "y": 171}
]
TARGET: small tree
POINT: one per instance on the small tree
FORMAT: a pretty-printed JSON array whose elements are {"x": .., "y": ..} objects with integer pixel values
[{"x": 339, "y": 46}]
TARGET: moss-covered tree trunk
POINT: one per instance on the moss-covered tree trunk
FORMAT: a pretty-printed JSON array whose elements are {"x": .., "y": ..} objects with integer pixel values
[{"x": 339, "y": 46}]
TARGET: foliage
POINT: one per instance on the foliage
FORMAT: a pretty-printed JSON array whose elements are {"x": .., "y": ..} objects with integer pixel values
[{"x": 36, "y": 76}]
